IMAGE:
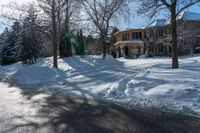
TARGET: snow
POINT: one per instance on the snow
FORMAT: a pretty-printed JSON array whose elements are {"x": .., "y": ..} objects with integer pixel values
[
  {"x": 143, "y": 82},
  {"x": 189, "y": 16},
  {"x": 35, "y": 75},
  {"x": 132, "y": 41},
  {"x": 158, "y": 22},
  {"x": 186, "y": 15}
]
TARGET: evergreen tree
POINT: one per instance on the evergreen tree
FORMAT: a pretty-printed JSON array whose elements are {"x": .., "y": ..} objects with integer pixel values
[
  {"x": 113, "y": 38},
  {"x": 65, "y": 45},
  {"x": 113, "y": 41},
  {"x": 80, "y": 39},
  {"x": 30, "y": 41},
  {"x": 9, "y": 54}
]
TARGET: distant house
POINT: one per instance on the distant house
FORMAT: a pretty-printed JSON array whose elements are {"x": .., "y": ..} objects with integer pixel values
[
  {"x": 157, "y": 35},
  {"x": 93, "y": 45},
  {"x": 129, "y": 43},
  {"x": 154, "y": 38}
]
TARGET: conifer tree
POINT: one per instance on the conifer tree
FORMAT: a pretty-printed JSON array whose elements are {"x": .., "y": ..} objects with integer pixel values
[
  {"x": 10, "y": 51},
  {"x": 80, "y": 39},
  {"x": 30, "y": 41},
  {"x": 65, "y": 45}
]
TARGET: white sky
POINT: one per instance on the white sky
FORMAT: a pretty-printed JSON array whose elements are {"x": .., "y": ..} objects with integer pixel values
[
  {"x": 2, "y": 2},
  {"x": 136, "y": 22},
  {"x": 5, "y": 2}
]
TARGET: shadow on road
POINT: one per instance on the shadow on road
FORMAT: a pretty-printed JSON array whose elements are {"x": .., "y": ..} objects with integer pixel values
[{"x": 64, "y": 114}]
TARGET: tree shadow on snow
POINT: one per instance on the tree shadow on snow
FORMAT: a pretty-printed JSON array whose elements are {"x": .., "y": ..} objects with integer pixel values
[{"x": 98, "y": 69}]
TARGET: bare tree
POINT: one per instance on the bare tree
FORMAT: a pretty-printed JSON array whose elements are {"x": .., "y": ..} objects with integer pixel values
[
  {"x": 69, "y": 18},
  {"x": 100, "y": 13},
  {"x": 71, "y": 14},
  {"x": 174, "y": 7},
  {"x": 14, "y": 12},
  {"x": 52, "y": 8}
]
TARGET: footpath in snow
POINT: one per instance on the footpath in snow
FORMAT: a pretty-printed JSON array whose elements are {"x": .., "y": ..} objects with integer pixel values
[{"x": 134, "y": 83}]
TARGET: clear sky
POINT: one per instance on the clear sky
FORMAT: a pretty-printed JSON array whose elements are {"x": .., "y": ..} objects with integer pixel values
[{"x": 136, "y": 22}]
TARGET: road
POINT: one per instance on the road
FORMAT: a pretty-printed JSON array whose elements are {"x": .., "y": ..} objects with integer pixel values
[{"x": 35, "y": 111}]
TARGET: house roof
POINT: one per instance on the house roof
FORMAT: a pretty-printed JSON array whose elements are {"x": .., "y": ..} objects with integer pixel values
[
  {"x": 133, "y": 41},
  {"x": 189, "y": 16},
  {"x": 130, "y": 42},
  {"x": 128, "y": 29},
  {"x": 158, "y": 22}
]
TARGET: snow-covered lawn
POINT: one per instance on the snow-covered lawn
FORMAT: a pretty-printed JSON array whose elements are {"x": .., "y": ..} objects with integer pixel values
[{"x": 133, "y": 83}]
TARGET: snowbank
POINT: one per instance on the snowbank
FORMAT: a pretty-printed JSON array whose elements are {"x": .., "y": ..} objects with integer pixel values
[
  {"x": 161, "y": 87},
  {"x": 144, "y": 82},
  {"x": 36, "y": 75},
  {"x": 43, "y": 72}
]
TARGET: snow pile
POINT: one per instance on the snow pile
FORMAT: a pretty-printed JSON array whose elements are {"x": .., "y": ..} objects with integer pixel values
[
  {"x": 30, "y": 74},
  {"x": 144, "y": 82},
  {"x": 161, "y": 87},
  {"x": 43, "y": 72},
  {"x": 36, "y": 75}
]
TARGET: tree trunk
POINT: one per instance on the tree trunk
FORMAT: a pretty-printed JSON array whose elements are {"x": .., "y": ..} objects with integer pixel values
[
  {"x": 103, "y": 38},
  {"x": 59, "y": 31},
  {"x": 104, "y": 49},
  {"x": 67, "y": 16},
  {"x": 55, "y": 45},
  {"x": 175, "y": 63}
]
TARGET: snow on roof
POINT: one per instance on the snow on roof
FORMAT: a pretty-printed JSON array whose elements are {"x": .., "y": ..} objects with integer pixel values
[
  {"x": 189, "y": 16},
  {"x": 129, "y": 41},
  {"x": 132, "y": 41},
  {"x": 127, "y": 29},
  {"x": 158, "y": 22}
]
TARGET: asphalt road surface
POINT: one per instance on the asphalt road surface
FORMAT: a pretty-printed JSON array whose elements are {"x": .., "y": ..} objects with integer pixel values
[{"x": 31, "y": 111}]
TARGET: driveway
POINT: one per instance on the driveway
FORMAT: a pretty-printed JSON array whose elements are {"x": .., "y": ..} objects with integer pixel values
[{"x": 36, "y": 111}]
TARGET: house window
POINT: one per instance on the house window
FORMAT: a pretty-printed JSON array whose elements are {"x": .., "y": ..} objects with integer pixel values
[
  {"x": 145, "y": 34},
  {"x": 125, "y": 36},
  {"x": 198, "y": 41},
  {"x": 161, "y": 47},
  {"x": 165, "y": 30},
  {"x": 136, "y": 35},
  {"x": 151, "y": 49},
  {"x": 197, "y": 47},
  {"x": 140, "y": 35},
  {"x": 160, "y": 32},
  {"x": 151, "y": 33}
]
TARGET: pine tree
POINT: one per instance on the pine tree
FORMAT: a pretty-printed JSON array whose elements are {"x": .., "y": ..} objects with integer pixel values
[
  {"x": 30, "y": 41},
  {"x": 65, "y": 45},
  {"x": 113, "y": 41},
  {"x": 80, "y": 39},
  {"x": 3, "y": 38},
  {"x": 9, "y": 54}
]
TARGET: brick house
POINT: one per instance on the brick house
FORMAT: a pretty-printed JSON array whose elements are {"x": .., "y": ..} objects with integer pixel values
[
  {"x": 129, "y": 43},
  {"x": 157, "y": 35},
  {"x": 154, "y": 38}
]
